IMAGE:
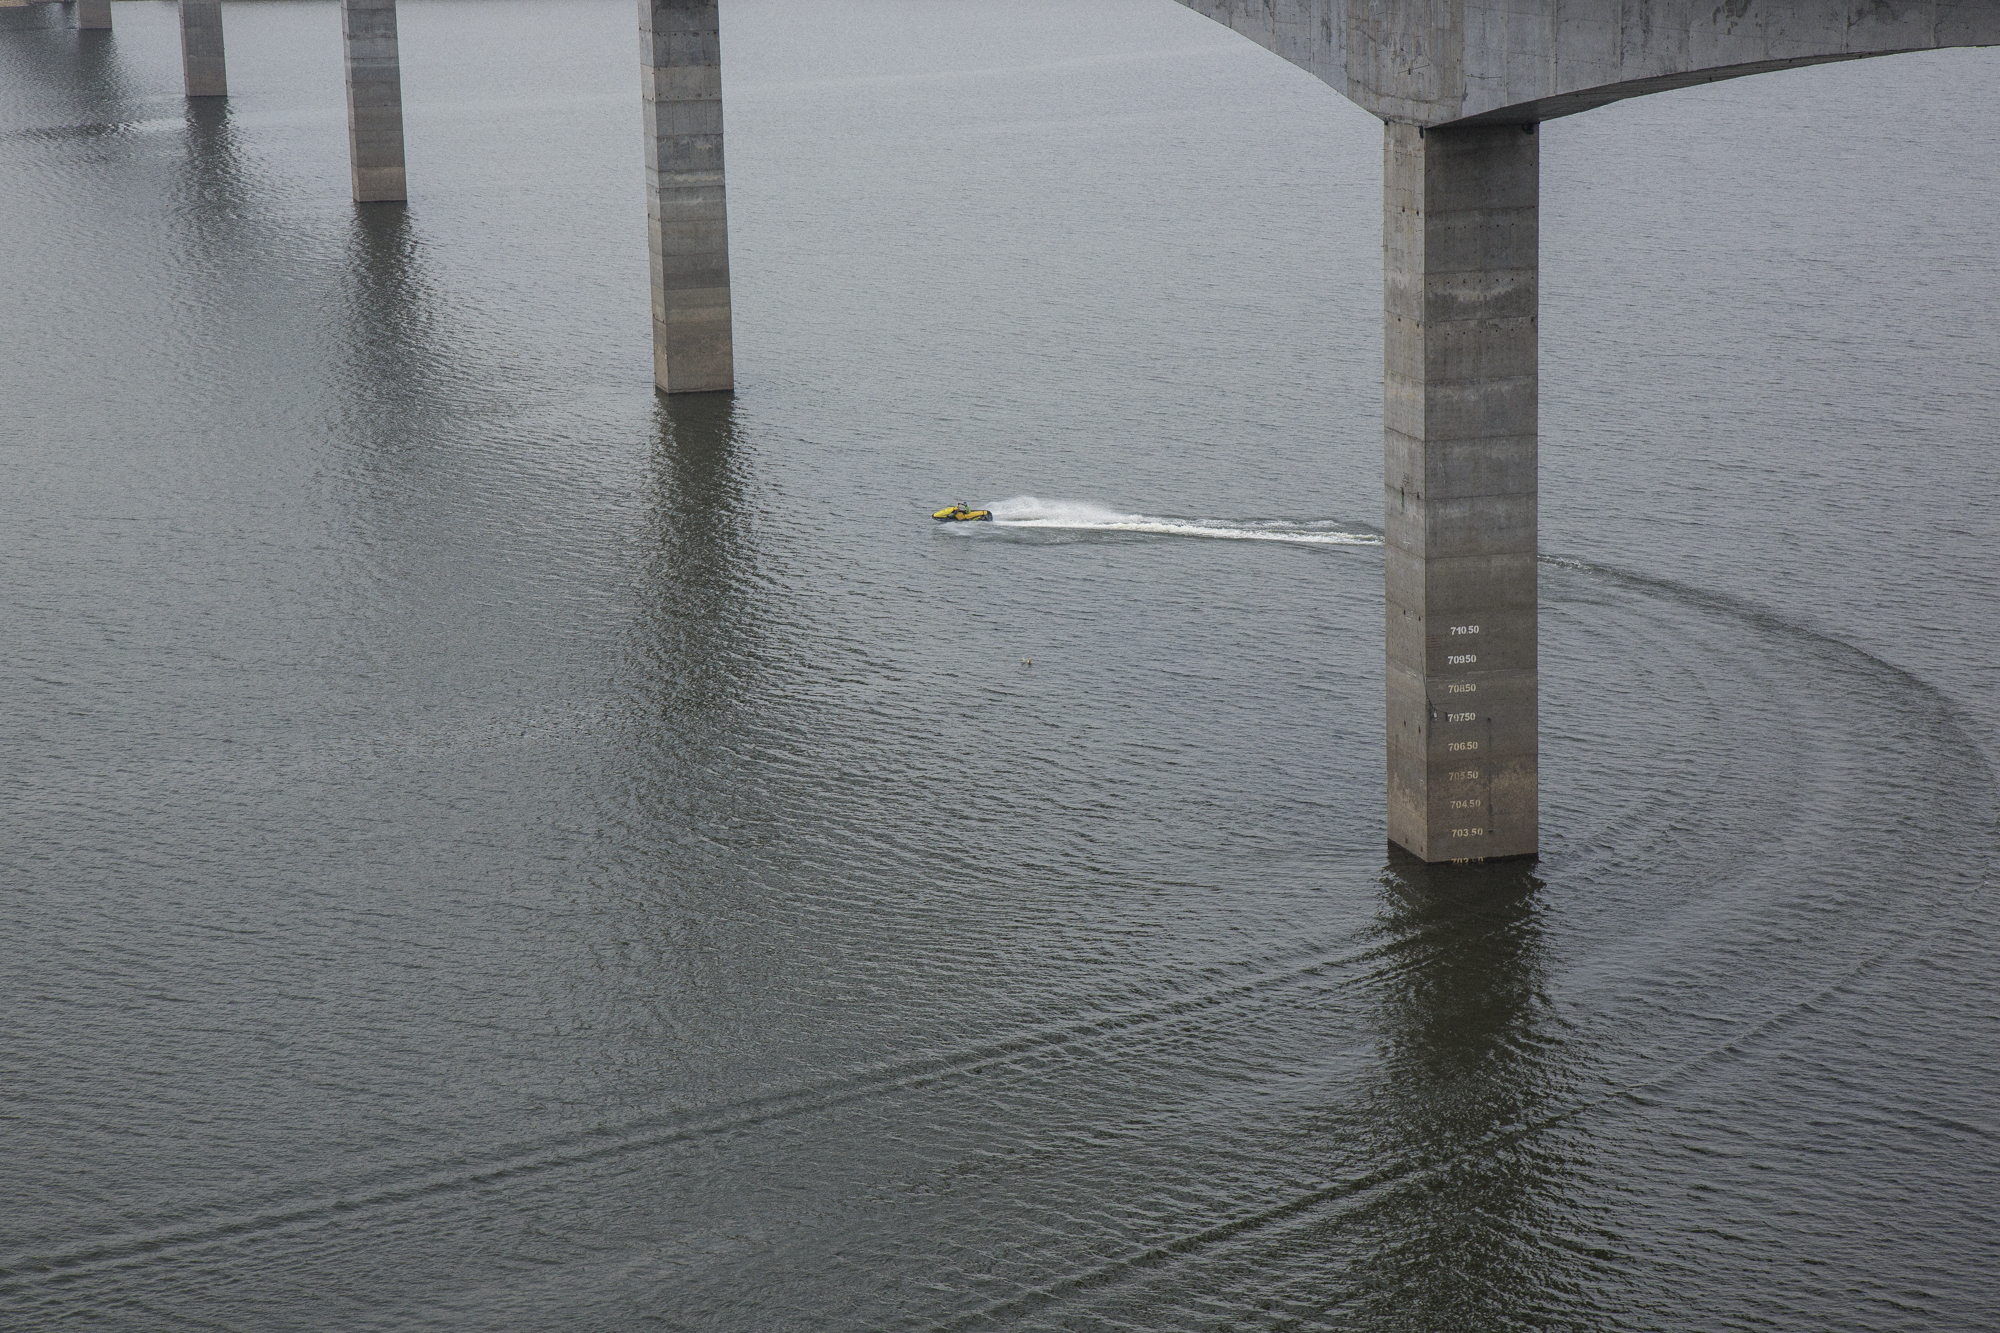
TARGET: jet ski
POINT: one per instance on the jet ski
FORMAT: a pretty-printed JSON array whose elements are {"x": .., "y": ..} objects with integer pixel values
[{"x": 958, "y": 513}]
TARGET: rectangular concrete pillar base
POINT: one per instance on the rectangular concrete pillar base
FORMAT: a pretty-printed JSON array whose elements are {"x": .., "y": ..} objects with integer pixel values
[
  {"x": 1460, "y": 286},
  {"x": 93, "y": 15},
  {"x": 693, "y": 356},
  {"x": 381, "y": 185},
  {"x": 1395, "y": 849},
  {"x": 202, "y": 65},
  {"x": 687, "y": 218},
  {"x": 374, "y": 101}
]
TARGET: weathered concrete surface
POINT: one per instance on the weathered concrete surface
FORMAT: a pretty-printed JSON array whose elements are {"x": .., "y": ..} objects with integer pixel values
[
  {"x": 1460, "y": 237},
  {"x": 201, "y": 48},
  {"x": 687, "y": 224},
  {"x": 374, "y": 100},
  {"x": 93, "y": 14},
  {"x": 1433, "y": 62}
]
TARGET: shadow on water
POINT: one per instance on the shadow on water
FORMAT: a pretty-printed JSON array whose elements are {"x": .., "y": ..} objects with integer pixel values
[
  {"x": 40, "y": 18},
  {"x": 700, "y": 625},
  {"x": 70, "y": 83},
  {"x": 685, "y": 759},
  {"x": 685, "y": 792},
  {"x": 392, "y": 364},
  {"x": 1469, "y": 1056},
  {"x": 213, "y": 180},
  {"x": 386, "y": 293},
  {"x": 228, "y": 268}
]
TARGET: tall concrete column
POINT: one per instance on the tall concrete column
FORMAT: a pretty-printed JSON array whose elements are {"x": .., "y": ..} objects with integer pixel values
[
  {"x": 201, "y": 48},
  {"x": 374, "y": 100},
  {"x": 1460, "y": 274},
  {"x": 680, "y": 66},
  {"x": 93, "y": 14}
]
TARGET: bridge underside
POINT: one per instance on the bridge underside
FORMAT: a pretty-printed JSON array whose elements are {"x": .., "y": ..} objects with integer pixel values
[
  {"x": 1557, "y": 105},
  {"x": 1436, "y": 62}
]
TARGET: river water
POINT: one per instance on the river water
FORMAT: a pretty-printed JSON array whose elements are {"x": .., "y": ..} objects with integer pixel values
[{"x": 484, "y": 847}]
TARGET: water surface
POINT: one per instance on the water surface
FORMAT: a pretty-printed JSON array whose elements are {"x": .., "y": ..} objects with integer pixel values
[{"x": 486, "y": 847}]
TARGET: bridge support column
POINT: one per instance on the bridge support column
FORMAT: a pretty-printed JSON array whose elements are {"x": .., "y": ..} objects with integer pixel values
[
  {"x": 686, "y": 222},
  {"x": 93, "y": 14},
  {"x": 201, "y": 48},
  {"x": 1460, "y": 275},
  {"x": 374, "y": 100}
]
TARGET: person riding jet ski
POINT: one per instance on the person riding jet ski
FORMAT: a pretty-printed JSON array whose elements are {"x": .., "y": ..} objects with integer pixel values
[{"x": 958, "y": 513}]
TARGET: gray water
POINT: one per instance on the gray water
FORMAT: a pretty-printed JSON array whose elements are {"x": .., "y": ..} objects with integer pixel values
[{"x": 486, "y": 848}]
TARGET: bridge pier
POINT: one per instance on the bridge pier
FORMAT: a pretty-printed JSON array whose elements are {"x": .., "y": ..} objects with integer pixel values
[
  {"x": 93, "y": 15},
  {"x": 201, "y": 48},
  {"x": 686, "y": 221},
  {"x": 374, "y": 100},
  {"x": 1456, "y": 83},
  {"x": 1460, "y": 274}
]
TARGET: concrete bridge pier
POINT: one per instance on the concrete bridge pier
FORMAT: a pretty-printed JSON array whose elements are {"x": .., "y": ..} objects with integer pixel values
[
  {"x": 1460, "y": 240},
  {"x": 680, "y": 67},
  {"x": 1456, "y": 82},
  {"x": 374, "y": 100},
  {"x": 201, "y": 48},
  {"x": 93, "y": 15}
]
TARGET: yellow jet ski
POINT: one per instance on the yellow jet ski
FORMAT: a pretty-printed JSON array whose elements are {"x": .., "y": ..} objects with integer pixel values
[{"x": 958, "y": 513}]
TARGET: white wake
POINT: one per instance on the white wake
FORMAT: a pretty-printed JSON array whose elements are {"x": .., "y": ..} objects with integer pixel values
[{"x": 1026, "y": 511}]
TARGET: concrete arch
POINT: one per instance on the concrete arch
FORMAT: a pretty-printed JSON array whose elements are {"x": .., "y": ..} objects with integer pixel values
[{"x": 1467, "y": 62}]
